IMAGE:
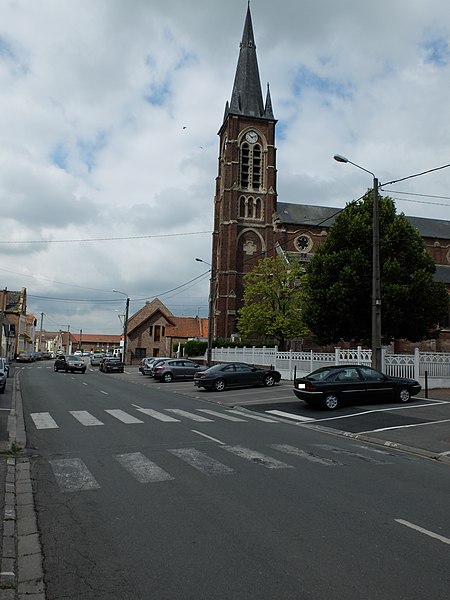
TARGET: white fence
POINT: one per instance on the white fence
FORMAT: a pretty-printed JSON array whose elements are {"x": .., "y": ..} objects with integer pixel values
[{"x": 434, "y": 366}]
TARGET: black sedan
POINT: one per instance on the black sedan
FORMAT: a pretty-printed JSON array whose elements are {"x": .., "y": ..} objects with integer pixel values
[
  {"x": 70, "y": 363},
  {"x": 330, "y": 387},
  {"x": 111, "y": 365},
  {"x": 220, "y": 377}
]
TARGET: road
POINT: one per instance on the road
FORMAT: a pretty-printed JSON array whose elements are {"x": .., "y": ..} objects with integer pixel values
[{"x": 143, "y": 492}]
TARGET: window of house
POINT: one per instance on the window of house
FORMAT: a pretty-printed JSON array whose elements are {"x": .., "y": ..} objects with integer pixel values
[
  {"x": 150, "y": 330},
  {"x": 157, "y": 335}
]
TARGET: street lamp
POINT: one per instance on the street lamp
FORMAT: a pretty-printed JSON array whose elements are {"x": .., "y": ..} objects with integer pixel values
[
  {"x": 210, "y": 313},
  {"x": 125, "y": 324},
  {"x": 376, "y": 287}
]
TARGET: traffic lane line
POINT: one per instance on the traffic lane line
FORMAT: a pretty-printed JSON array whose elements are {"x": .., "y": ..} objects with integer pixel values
[{"x": 431, "y": 534}]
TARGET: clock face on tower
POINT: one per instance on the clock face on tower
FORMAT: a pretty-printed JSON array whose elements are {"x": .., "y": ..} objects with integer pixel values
[{"x": 251, "y": 137}]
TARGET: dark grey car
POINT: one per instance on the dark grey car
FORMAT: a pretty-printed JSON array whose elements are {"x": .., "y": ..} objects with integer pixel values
[{"x": 175, "y": 368}]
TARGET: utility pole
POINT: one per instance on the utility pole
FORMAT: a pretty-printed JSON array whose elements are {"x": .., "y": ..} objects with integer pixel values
[{"x": 40, "y": 333}]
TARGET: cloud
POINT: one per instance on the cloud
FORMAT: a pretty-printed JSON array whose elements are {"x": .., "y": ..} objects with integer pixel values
[{"x": 110, "y": 113}]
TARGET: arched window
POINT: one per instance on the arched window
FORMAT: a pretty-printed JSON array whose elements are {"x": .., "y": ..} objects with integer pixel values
[{"x": 251, "y": 166}]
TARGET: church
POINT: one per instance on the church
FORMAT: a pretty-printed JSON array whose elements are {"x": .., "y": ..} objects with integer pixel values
[{"x": 249, "y": 221}]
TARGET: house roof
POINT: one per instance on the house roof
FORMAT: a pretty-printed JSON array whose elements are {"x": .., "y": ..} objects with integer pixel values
[
  {"x": 188, "y": 327},
  {"x": 95, "y": 338},
  {"x": 325, "y": 216},
  {"x": 146, "y": 312}
]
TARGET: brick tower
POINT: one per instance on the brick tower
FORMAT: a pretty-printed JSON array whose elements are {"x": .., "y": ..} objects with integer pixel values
[{"x": 246, "y": 198}]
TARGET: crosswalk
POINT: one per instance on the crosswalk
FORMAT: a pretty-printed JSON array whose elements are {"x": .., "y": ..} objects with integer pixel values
[
  {"x": 74, "y": 475},
  {"x": 44, "y": 420}
]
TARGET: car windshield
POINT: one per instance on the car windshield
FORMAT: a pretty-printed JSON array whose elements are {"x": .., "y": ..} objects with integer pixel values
[{"x": 73, "y": 357}]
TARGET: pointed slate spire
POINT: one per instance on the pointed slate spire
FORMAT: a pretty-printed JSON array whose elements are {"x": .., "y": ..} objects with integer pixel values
[
  {"x": 246, "y": 98},
  {"x": 268, "y": 112}
]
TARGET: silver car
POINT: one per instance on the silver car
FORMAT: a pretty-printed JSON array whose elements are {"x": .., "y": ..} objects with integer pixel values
[{"x": 175, "y": 368}]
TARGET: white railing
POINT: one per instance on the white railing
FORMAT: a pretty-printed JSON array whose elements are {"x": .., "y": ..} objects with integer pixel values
[{"x": 434, "y": 366}]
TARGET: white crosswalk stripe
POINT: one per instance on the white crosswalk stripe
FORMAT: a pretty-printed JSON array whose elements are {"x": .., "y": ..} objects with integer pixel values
[
  {"x": 85, "y": 418},
  {"x": 303, "y": 454},
  {"x": 188, "y": 415},
  {"x": 121, "y": 415},
  {"x": 142, "y": 468},
  {"x": 257, "y": 457},
  {"x": 201, "y": 462},
  {"x": 158, "y": 415},
  {"x": 215, "y": 413},
  {"x": 252, "y": 416},
  {"x": 43, "y": 420},
  {"x": 72, "y": 475}
]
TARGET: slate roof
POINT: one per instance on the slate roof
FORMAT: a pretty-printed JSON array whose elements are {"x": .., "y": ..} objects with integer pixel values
[
  {"x": 307, "y": 214},
  {"x": 147, "y": 311},
  {"x": 246, "y": 97}
]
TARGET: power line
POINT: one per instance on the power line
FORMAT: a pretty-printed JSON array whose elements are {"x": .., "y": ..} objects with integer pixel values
[{"x": 105, "y": 239}]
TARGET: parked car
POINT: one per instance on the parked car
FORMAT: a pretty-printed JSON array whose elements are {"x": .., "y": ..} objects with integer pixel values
[
  {"x": 70, "y": 363},
  {"x": 25, "y": 357},
  {"x": 4, "y": 366},
  {"x": 220, "y": 377},
  {"x": 157, "y": 360},
  {"x": 3, "y": 375},
  {"x": 175, "y": 368},
  {"x": 330, "y": 387},
  {"x": 96, "y": 359},
  {"x": 111, "y": 364},
  {"x": 145, "y": 366}
]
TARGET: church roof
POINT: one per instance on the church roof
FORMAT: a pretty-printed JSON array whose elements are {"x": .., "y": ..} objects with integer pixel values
[
  {"x": 307, "y": 214},
  {"x": 246, "y": 97}
]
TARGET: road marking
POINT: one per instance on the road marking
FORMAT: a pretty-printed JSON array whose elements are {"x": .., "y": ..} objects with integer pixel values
[
  {"x": 403, "y": 426},
  {"x": 201, "y": 462},
  {"x": 72, "y": 475},
  {"x": 436, "y": 536},
  {"x": 256, "y": 417},
  {"x": 281, "y": 413},
  {"x": 306, "y": 455},
  {"x": 444, "y": 453},
  {"x": 208, "y": 436},
  {"x": 102, "y": 392},
  {"x": 85, "y": 418},
  {"x": 188, "y": 415},
  {"x": 142, "y": 468},
  {"x": 84, "y": 383},
  {"x": 368, "y": 459},
  {"x": 123, "y": 416},
  {"x": 376, "y": 410},
  {"x": 43, "y": 420},
  {"x": 257, "y": 457},
  {"x": 157, "y": 415},
  {"x": 215, "y": 413}
]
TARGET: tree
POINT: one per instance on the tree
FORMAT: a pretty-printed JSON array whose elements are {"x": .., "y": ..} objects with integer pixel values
[
  {"x": 339, "y": 283},
  {"x": 273, "y": 301}
]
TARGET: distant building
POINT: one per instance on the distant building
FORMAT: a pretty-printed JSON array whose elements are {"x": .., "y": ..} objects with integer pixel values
[{"x": 15, "y": 329}]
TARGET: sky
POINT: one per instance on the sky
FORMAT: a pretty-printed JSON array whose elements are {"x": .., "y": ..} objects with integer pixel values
[{"x": 109, "y": 113}]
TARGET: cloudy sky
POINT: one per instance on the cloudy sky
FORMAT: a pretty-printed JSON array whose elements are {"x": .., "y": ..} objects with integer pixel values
[{"x": 109, "y": 112}]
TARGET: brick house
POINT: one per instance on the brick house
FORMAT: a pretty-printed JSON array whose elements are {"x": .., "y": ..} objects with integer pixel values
[
  {"x": 154, "y": 331},
  {"x": 14, "y": 327}
]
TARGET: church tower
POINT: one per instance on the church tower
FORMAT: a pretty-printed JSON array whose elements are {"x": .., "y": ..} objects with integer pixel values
[{"x": 245, "y": 199}]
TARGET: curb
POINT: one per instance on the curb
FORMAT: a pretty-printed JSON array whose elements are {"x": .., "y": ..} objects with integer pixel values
[{"x": 21, "y": 570}]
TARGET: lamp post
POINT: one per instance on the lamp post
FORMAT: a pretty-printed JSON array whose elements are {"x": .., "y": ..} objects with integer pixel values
[
  {"x": 210, "y": 313},
  {"x": 376, "y": 287},
  {"x": 125, "y": 324}
]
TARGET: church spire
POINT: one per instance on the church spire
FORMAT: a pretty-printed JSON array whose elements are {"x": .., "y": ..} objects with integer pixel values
[{"x": 246, "y": 98}]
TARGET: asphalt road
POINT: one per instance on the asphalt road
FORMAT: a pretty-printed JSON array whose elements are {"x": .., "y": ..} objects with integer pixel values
[{"x": 155, "y": 491}]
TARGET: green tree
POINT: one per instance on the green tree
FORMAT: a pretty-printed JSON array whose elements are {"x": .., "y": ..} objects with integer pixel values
[
  {"x": 273, "y": 301},
  {"x": 339, "y": 284}
]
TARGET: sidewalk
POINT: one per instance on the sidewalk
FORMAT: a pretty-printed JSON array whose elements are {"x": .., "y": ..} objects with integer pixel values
[{"x": 21, "y": 573}]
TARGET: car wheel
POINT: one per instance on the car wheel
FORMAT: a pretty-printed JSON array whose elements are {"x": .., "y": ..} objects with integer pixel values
[
  {"x": 55, "y": 368},
  {"x": 83, "y": 370},
  {"x": 269, "y": 380},
  {"x": 331, "y": 401},
  {"x": 66, "y": 370},
  {"x": 219, "y": 385},
  {"x": 404, "y": 395},
  {"x": 2, "y": 391},
  {"x": 167, "y": 377}
]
